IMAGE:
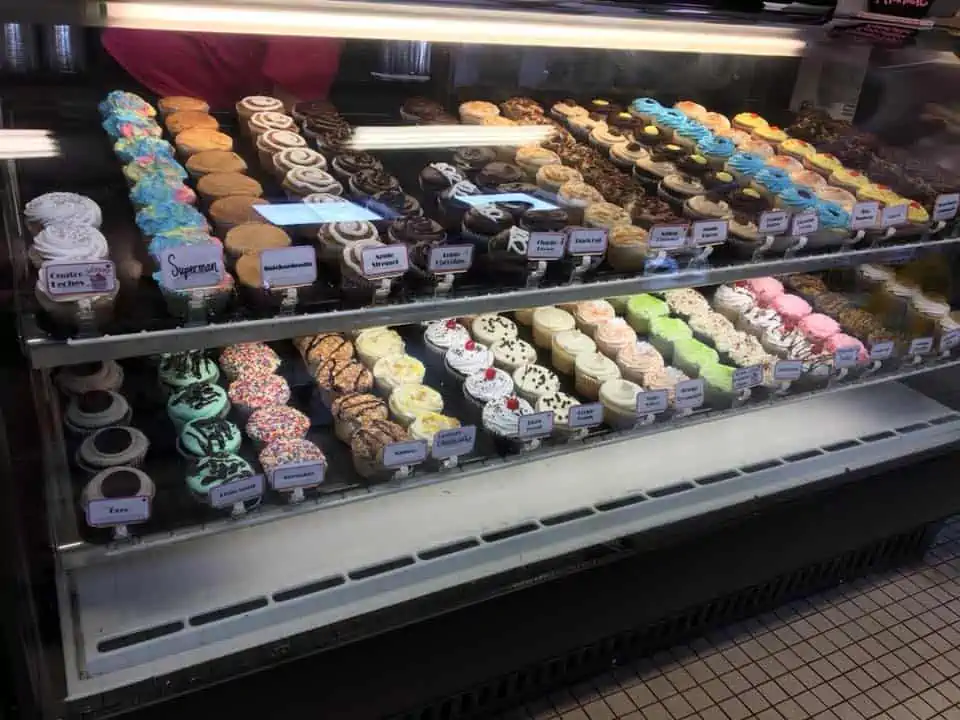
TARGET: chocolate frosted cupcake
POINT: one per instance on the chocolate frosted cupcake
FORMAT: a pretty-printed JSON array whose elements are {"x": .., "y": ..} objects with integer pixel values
[
  {"x": 519, "y": 108},
  {"x": 471, "y": 160},
  {"x": 555, "y": 220},
  {"x": 391, "y": 204},
  {"x": 351, "y": 411},
  {"x": 333, "y": 142},
  {"x": 112, "y": 446},
  {"x": 370, "y": 182},
  {"x": 482, "y": 222},
  {"x": 368, "y": 443},
  {"x": 438, "y": 176},
  {"x": 342, "y": 378},
  {"x": 347, "y": 164},
  {"x": 746, "y": 206},
  {"x": 451, "y": 207},
  {"x": 306, "y": 109},
  {"x": 417, "y": 109},
  {"x": 95, "y": 410},
  {"x": 498, "y": 173},
  {"x": 419, "y": 234},
  {"x": 334, "y": 238},
  {"x": 649, "y": 211},
  {"x": 520, "y": 205}
]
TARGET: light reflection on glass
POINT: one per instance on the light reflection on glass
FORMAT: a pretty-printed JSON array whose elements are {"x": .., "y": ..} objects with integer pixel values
[{"x": 315, "y": 213}]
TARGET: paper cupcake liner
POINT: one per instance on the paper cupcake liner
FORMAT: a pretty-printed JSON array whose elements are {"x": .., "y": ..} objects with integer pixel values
[
  {"x": 81, "y": 433},
  {"x": 586, "y": 386},
  {"x": 617, "y": 419},
  {"x": 91, "y": 470}
]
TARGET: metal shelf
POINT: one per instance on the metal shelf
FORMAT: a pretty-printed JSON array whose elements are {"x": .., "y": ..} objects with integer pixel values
[
  {"x": 75, "y": 553},
  {"x": 47, "y": 353},
  {"x": 148, "y": 615}
]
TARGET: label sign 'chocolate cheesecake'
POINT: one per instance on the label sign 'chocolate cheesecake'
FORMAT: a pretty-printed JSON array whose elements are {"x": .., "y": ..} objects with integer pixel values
[{"x": 188, "y": 267}]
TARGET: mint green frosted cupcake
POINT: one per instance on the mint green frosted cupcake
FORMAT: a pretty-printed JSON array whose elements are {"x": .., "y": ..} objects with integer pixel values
[
  {"x": 665, "y": 331},
  {"x": 718, "y": 384},
  {"x": 690, "y": 355},
  {"x": 619, "y": 303},
  {"x": 642, "y": 309}
]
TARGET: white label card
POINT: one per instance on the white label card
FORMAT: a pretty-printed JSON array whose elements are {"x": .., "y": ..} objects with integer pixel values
[
  {"x": 846, "y": 357},
  {"x": 652, "y": 402},
  {"x": 945, "y": 207},
  {"x": 586, "y": 241},
  {"x": 748, "y": 377},
  {"x": 689, "y": 394},
  {"x": 774, "y": 222},
  {"x": 288, "y": 267},
  {"x": 709, "y": 232},
  {"x": 535, "y": 425},
  {"x": 187, "y": 267},
  {"x": 546, "y": 245},
  {"x": 456, "y": 441},
  {"x": 804, "y": 223},
  {"x": 667, "y": 237},
  {"x": 118, "y": 511},
  {"x": 87, "y": 278},
  {"x": 949, "y": 340},
  {"x": 236, "y": 491},
  {"x": 893, "y": 216},
  {"x": 386, "y": 261},
  {"x": 921, "y": 346},
  {"x": 882, "y": 350},
  {"x": 586, "y": 415},
  {"x": 408, "y": 452},
  {"x": 298, "y": 475},
  {"x": 864, "y": 215},
  {"x": 787, "y": 370},
  {"x": 450, "y": 259}
]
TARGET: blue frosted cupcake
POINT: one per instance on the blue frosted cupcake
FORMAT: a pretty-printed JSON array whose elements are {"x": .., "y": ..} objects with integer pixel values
[
  {"x": 208, "y": 436},
  {"x": 743, "y": 166},
  {"x": 670, "y": 120},
  {"x": 178, "y": 370},
  {"x": 718, "y": 150},
  {"x": 797, "y": 199},
  {"x": 118, "y": 101},
  {"x": 129, "y": 149},
  {"x": 834, "y": 223},
  {"x": 159, "y": 190},
  {"x": 129, "y": 125},
  {"x": 645, "y": 108},
  {"x": 691, "y": 134},
  {"x": 156, "y": 219},
  {"x": 149, "y": 165},
  {"x": 771, "y": 181},
  {"x": 200, "y": 400}
]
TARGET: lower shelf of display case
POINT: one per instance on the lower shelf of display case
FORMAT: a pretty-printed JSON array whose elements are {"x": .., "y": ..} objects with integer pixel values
[{"x": 149, "y": 614}]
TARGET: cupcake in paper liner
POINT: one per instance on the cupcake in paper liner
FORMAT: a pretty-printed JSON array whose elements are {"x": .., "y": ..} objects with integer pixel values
[
  {"x": 97, "y": 375},
  {"x": 501, "y": 418},
  {"x": 486, "y": 386},
  {"x": 441, "y": 335},
  {"x": 94, "y": 410},
  {"x": 252, "y": 393},
  {"x": 464, "y": 360},
  {"x": 353, "y": 410},
  {"x": 315, "y": 349},
  {"x": 368, "y": 443},
  {"x": 638, "y": 360},
  {"x": 269, "y": 424},
  {"x": 248, "y": 359},
  {"x": 394, "y": 370},
  {"x": 112, "y": 447},
  {"x": 287, "y": 451},
  {"x": 208, "y": 436},
  {"x": 335, "y": 378},
  {"x": 115, "y": 483},
  {"x": 559, "y": 403},
  {"x": 178, "y": 370},
  {"x": 213, "y": 471},
  {"x": 408, "y": 402}
]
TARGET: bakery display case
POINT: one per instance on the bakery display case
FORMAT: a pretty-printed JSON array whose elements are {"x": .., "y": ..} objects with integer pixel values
[{"x": 309, "y": 369}]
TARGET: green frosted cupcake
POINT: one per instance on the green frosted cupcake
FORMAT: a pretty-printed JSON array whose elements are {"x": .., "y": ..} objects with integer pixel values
[
  {"x": 690, "y": 355},
  {"x": 209, "y": 436},
  {"x": 214, "y": 470},
  {"x": 718, "y": 384},
  {"x": 177, "y": 370},
  {"x": 200, "y": 400},
  {"x": 665, "y": 331},
  {"x": 643, "y": 309},
  {"x": 619, "y": 303}
]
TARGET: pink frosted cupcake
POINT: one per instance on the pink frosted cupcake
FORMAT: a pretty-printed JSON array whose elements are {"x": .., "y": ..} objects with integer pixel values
[
  {"x": 764, "y": 289},
  {"x": 818, "y": 328},
  {"x": 839, "y": 341},
  {"x": 614, "y": 335},
  {"x": 591, "y": 313},
  {"x": 252, "y": 393},
  {"x": 791, "y": 308}
]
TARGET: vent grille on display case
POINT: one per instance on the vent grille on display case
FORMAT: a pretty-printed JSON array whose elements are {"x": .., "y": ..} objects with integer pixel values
[{"x": 535, "y": 680}]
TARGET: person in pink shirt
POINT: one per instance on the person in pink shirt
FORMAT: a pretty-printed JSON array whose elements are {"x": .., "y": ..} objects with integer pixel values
[{"x": 222, "y": 68}]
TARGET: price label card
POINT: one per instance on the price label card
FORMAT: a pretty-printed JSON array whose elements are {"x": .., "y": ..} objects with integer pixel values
[
  {"x": 456, "y": 441},
  {"x": 949, "y": 340},
  {"x": 587, "y": 415},
  {"x": 709, "y": 232},
  {"x": 652, "y": 402},
  {"x": 689, "y": 394},
  {"x": 882, "y": 350},
  {"x": 864, "y": 215},
  {"x": 546, "y": 245},
  {"x": 787, "y": 370},
  {"x": 945, "y": 206},
  {"x": 450, "y": 259},
  {"x": 893, "y": 216},
  {"x": 86, "y": 278},
  {"x": 386, "y": 261},
  {"x": 187, "y": 267},
  {"x": 921, "y": 346},
  {"x": 667, "y": 237},
  {"x": 748, "y": 377},
  {"x": 117, "y": 511},
  {"x": 586, "y": 241},
  {"x": 535, "y": 425},
  {"x": 288, "y": 267},
  {"x": 298, "y": 475},
  {"x": 235, "y": 491},
  {"x": 774, "y": 222},
  {"x": 408, "y": 452},
  {"x": 846, "y": 357},
  {"x": 805, "y": 223}
]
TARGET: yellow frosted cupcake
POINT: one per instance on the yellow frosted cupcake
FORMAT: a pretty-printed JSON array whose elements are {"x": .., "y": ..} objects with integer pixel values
[
  {"x": 425, "y": 426},
  {"x": 748, "y": 121},
  {"x": 823, "y": 163},
  {"x": 881, "y": 193},
  {"x": 408, "y": 402},
  {"x": 848, "y": 179},
  {"x": 769, "y": 134},
  {"x": 917, "y": 214},
  {"x": 797, "y": 148},
  {"x": 375, "y": 343},
  {"x": 394, "y": 370}
]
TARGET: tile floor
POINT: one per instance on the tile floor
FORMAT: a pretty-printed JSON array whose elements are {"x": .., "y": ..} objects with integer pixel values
[{"x": 887, "y": 646}]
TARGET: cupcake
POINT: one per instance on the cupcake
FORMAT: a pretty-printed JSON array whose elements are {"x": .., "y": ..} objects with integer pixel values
[
  {"x": 82, "y": 378},
  {"x": 197, "y": 140},
  {"x": 547, "y": 322},
  {"x": 796, "y": 199},
  {"x": 614, "y": 335},
  {"x": 552, "y": 177},
  {"x": 269, "y": 424},
  {"x": 338, "y": 377},
  {"x": 261, "y": 122},
  {"x": 578, "y": 195},
  {"x": 178, "y": 103},
  {"x": 290, "y": 451},
  {"x": 347, "y": 164},
  {"x": 253, "y": 238},
  {"x": 810, "y": 179},
  {"x": 512, "y": 353},
  {"x": 116, "y": 483},
  {"x": 566, "y": 346},
  {"x": 491, "y": 328},
  {"x": 823, "y": 163},
  {"x": 817, "y": 328},
  {"x": 605, "y": 215},
  {"x": 208, "y": 436},
  {"x": 408, "y": 402},
  {"x": 67, "y": 242},
  {"x": 441, "y": 335},
  {"x": 565, "y": 109},
  {"x": 748, "y": 121},
  {"x": 212, "y": 471},
  {"x": 786, "y": 163},
  {"x": 474, "y": 112},
  {"x": 200, "y": 400},
  {"x": 215, "y": 161},
  {"x": 590, "y": 314},
  {"x": 271, "y": 142},
  {"x": 299, "y": 182},
  {"x": 619, "y": 400},
  {"x": 535, "y": 381},
  {"x": 482, "y": 222},
  {"x": 643, "y": 309},
  {"x": 710, "y": 325},
  {"x": 627, "y": 154},
  {"x": 186, "y": 119},
  {"x": 94, "y": 410},
  {"x": 791, "y": 308},
  {"x": 689, "y": 355},
  {"x": 769, "y": 182},
  {"x": 226, "y": 213},
  {"x": 426, "y": 426},
  {"x": 487, "y": 385},
  {"x": 252, "y": 393},
  {"x": 770, "y": 134},
  {"x": 717, "y": 150},
  {"x": 290, "y": 158},
  {"x": 531, "y": 158},
  {"x": 336, "y": 237},
  {"x": 744, "y": 166},
  {"x": 353, "y": 410},
  {"x": 177, "y": 370},
  {"x": 604, "y": 137},
  {"x": 645, "y": 109},
  {"x": 394, "y": 370},
  {"x": 251, "y": 104},
  {"x": 715, "y": 122},
  {"x": 686, "y": 302},
  {"x": 664, "y": 331},
  {"x": 375, "y": 343},
  {"x": 323, "y": 346},
  {"x": 718, "y": 386},
  {"x": 638, "y": 360},
  {"x": 591, "y": 370},
  {"x": 627, "y": 248},
  {"x": 690, "y": 134},
  {"x": 112, "y": 447},
  {"x": 559, "y": 404},
  {"x": 757, "y": 147},
  {"x": 463, "y": 360},
  {"x": 849, "y": 180}
]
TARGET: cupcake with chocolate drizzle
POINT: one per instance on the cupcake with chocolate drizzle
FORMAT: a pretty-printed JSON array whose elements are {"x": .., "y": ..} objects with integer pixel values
[
  {"x": 177, "y": 370},
  {"x": 347, "y": 164},
  {"x": 208, "y": 436},
  {"x": 200, "y": 400},
  {"x": 215, "y": 470}
]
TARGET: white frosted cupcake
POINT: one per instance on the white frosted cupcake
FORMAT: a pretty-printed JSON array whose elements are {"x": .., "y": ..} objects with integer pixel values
[
  {"x": 442, "y": 335},
  {"x": 547, "y": 322},
  {"x": 467, "y": 359},
  {"x": 732, "y": 301},
  {"x": 395, "y": 370},
  {"x": 535, "y": 381},
  {"x": 511, "y": 354},
  {"x": 591, "y": 370},
  {"x": 619, "y": 399},
  {"x": 491, "y": 328},
  {"x": 559, "y": 404},
  {"x": 408, "y": 402},
  {"x": 566, "y": 346},
  {"x": 486, "y": 386}
]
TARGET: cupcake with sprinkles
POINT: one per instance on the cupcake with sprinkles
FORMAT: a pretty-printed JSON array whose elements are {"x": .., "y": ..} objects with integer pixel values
[
  {"x": 276, "y": 422},
  {"x": 290, "y": 451},
  {"x": 208, "y": 436},
  {"x": 252, "y": 393},
  {"x": 248, "y": 359}
]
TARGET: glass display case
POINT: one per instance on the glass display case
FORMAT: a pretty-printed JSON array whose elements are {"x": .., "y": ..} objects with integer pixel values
[{"x": 336, "y": 308}]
